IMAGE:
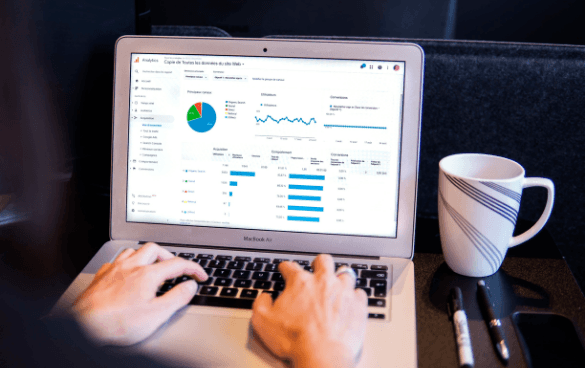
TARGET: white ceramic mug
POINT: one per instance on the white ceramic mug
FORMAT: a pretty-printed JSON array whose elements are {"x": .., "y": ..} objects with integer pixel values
[{"x": 479, "y": 198}]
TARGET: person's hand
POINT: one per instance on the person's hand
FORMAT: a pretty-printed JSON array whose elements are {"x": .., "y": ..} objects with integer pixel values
[
  {"x": 120, "y": 306},
  {"x": 319, "y": 320}
]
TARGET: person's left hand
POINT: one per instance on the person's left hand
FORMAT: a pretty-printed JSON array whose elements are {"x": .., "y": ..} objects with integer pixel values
[{"x": 120, "y": 306}]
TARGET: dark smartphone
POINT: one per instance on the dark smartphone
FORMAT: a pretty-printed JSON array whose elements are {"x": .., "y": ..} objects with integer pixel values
[{"x": 548, "y": 340}]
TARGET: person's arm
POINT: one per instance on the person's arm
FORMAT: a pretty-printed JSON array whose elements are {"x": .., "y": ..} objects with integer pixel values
[
  {"x": 318, "y": 321},
  {"x": 120, "y": 307}
]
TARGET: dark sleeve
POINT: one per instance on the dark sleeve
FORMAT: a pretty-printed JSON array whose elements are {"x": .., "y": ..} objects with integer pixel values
[{"x": 57, "y": 342}]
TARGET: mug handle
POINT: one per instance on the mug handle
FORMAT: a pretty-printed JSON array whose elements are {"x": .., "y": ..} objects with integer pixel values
[{"x": 550, "y": 187}]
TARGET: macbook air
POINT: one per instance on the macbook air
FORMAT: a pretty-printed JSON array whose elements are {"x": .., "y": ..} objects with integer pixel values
[{"x": 239, "y": 154}]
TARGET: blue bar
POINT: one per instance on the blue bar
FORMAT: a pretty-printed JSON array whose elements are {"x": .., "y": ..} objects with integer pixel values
[
  {"x": 309, "y": 177},
  {"x": 242, "y": 173},
  {"x": 233, "y": 183},
  {"x": 305, "y": 187},
  {"x": 305, "y": 198},
  {"x": 304, "y": 208},
  {"x": 307, "y": 219},
  {"x": 230, "y": 194}
]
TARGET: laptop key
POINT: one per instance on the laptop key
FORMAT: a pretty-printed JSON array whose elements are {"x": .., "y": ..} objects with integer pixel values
[
  {"x": 260, "y": 275},
  {"x": 379, "y": 267},
  {"x": 250, "y": 293},
  {"x": 361, "y": 283},
  {"x": 273, "y": 294},
  {"x": 254, "y": 266},
  {"x": 376, "y": 316},
  {"x": 223, "y": 282},
  {"x": 208, "y": 290},
  {"x": 182, "y": 279},
  {"x": 186, "y": 255},
  {"x": 243, "y": 259},
  {"x": 208, "y": 270},
  {"x": 223, "y": 258},
  {"x": 265, "y": 285},
  {"x": 220, "y": 272},
  {"x": 277, "y": 277},
  {"x": 359, "y": 266},
  {"x": 235, "y": 265},
  {"x": 243, "y": 283},
  {"x": 374, "y": 274},
  {"x": 214, "y": 301},
  {"x": 376, "y": 283},
  {"x": 262, "y": 260},
  {"x": 376, "y": 302},
  {"x": 216, "y": 264},
  {"x": 205, "y": 256},
  {"x": 278, "y": 286},
  {"x": 339, "y": 264},
  {"x": 202, "y": 262},
  {"x": 271, "y": 267},
  {"x": 380, "y": 292},
  {"x": 206, "y": 282},
  {"x": 302, "y": 262},
  {"x": 241, "y": 274},
  {"x": 308, "y": 268},
  {"x": 231, "y": 292},
  {"x": 279, "y": 260},
  {"x": 165, "y": 287}
]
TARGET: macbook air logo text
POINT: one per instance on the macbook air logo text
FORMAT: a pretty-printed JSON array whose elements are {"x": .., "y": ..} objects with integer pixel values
[{"x": 255, "y": 239}]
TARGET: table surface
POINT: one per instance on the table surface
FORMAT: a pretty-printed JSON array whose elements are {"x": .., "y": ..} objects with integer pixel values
[{"x": 533, "y": 278}]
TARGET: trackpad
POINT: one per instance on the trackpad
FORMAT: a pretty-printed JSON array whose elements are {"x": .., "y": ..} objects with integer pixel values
[{"x": 208, "y": 341}]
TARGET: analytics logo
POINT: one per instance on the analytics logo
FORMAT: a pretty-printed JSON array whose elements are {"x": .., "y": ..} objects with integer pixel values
[{"x": 137, "y": 60}]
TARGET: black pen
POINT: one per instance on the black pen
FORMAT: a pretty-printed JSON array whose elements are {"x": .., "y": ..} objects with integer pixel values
[
  {"x": 494, "y": 324},
  {"x": 461, "y": 327}
]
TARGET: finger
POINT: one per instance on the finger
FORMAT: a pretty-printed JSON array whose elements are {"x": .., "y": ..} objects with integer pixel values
[
  {"x": 348, "y": 278},
  {"x": 260, "y": 309},
  {"x": 361, "y": 296},
  {"x": 176, "y": 267},
  {"x": 323, "y": 265},
  {"x": 262, "y": 304},
  {"x": 175, "y": 299},
  {"x": 149, "y": 253},
  {"x": 124, "y": 254},
  {"x": 262, "y": 326},
  {"x": 289, "y": 270}
]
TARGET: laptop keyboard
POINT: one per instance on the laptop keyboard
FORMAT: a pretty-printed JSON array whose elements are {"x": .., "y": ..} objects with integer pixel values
[{"x": 235, "y": 282}]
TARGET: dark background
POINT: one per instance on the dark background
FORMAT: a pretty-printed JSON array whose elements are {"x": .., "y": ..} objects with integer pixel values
[{"x": 73, "y": 43}]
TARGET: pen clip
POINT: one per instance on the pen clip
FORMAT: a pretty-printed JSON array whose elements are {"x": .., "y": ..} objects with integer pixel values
[{"x": 449, "y": 309}]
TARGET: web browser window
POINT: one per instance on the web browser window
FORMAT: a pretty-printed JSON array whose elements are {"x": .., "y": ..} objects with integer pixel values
[{"x": 300, "y": 145}]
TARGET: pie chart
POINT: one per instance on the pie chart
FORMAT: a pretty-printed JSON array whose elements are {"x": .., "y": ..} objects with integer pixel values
[{"x": 201, "y": 117}]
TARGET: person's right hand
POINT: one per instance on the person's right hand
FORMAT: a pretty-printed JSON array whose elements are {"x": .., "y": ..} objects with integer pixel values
[{"x": 319, "y": 320}]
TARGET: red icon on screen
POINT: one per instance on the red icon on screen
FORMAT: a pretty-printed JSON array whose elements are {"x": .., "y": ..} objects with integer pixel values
[{"x": 397, "y": 67}]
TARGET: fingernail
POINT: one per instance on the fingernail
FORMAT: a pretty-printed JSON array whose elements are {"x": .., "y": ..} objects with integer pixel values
[{"x": 192, "y": 286}]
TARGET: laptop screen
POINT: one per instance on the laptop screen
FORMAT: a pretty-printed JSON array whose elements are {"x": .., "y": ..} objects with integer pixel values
[{"x": 265, "y": 143}]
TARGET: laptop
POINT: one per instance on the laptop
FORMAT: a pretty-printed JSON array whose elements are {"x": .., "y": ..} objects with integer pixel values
[{"x": 241, "y": 153}]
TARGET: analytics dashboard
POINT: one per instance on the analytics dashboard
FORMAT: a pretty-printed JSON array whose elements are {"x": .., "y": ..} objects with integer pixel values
[{"x": 283, "y": 144}]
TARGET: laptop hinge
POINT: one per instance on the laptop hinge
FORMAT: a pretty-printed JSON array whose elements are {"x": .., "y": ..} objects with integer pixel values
[{"x": 262, "y": 250}]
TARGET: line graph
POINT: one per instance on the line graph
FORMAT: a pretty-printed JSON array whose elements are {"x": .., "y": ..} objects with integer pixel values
[{"x": 277, "y": 121}]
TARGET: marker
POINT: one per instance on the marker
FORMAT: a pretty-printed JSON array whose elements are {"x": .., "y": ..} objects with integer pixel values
[
  {"x": 456, "y": 311},
  {"x": 494, "y": 324}
]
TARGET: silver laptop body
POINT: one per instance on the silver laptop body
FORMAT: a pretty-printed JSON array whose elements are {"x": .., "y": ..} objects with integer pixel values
[{"x": 275, "y": 149}]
